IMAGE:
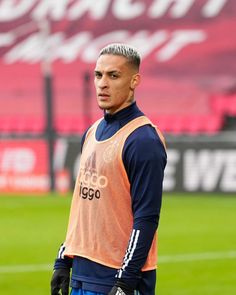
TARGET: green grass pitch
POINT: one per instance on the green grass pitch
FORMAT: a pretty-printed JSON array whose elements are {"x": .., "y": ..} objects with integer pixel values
[{"x": 197, "y": 243}]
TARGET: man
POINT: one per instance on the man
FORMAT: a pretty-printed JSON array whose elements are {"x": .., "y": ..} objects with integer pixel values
[{"x": 111, "y": 237}]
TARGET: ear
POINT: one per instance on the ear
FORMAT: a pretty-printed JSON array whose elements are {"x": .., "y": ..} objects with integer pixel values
[{"x": 135, "y": 81}]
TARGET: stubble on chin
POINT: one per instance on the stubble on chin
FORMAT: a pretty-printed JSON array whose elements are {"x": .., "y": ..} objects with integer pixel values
[{"x": 103, "y": 107}]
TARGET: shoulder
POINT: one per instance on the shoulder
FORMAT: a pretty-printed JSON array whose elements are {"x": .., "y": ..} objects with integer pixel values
[
  {"x": 89, "y": 129},
  {"x": 144, "y": 135},
  {"x": 144, "y": 143}
]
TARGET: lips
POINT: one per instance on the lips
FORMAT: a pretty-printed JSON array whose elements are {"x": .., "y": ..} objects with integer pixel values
[{"x": 103, "y": 96}]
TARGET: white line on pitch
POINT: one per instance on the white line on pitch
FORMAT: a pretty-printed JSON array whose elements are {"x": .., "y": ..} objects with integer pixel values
[
  {"x": 25, "y": 268},
  {"x": 162, "y": 259},
  {"x": 197, "y": 256}
]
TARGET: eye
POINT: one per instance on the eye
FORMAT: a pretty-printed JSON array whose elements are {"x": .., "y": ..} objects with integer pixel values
[
  {"x": 97, "y": 75},
  {"x": 114, "y": 76}
]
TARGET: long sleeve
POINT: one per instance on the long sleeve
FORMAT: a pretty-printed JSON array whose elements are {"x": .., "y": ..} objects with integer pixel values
[{"x": 144, "y": 158}]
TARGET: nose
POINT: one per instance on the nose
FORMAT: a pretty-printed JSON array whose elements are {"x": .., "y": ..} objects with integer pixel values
[{"x": 102, "y": 82}]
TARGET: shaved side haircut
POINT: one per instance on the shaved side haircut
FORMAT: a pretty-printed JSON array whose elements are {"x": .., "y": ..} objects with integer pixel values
[{"x": 129, "y": 52}]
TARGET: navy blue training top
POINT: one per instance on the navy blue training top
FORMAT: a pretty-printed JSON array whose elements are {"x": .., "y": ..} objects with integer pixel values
[{"x": 144, "y": 158}]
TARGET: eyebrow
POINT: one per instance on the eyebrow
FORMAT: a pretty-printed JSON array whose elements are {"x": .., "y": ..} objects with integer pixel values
[{"x": 109, "y": 72}]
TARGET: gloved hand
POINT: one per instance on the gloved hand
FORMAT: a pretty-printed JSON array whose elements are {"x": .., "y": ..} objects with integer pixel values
[
  {"x": 60, "y": 281},
  {"x": 121, "y": 288}
]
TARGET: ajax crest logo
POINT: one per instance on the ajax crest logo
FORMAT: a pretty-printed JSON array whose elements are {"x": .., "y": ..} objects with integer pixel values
[{"x": 110, "y": 152}]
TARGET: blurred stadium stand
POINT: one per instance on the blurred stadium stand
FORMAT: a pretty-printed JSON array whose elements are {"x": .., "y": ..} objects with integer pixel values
[
  {"x": 194, "y": 114},
  {"x": 185, "y": 71},
  {"x": 187, "y": 89}
]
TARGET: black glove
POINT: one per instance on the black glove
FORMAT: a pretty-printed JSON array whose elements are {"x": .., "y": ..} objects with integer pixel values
[
  {"x": 121, "y": 288},
  {"x": 60, "y": 281}
]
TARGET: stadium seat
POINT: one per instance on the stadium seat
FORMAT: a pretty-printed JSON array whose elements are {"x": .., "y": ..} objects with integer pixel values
[
  {"x": 207, "y": 124},
  {"x": 69, "y": 125},
  {"x": 232, "y": 106},
  {"x": 224, "y": 104},
  {"x": 192, "y": 124},
  {"x": 18, "y": 124}
]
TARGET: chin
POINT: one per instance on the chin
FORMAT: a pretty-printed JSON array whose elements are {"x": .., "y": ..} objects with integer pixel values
[{"x": 103, "y": 106}]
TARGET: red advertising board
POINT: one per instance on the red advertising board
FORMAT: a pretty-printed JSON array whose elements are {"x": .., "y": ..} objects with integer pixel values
[{"x": 24, "y": 166}]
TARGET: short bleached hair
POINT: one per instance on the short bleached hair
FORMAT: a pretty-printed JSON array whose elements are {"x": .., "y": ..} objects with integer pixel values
[{"x": 129, "y": 52}]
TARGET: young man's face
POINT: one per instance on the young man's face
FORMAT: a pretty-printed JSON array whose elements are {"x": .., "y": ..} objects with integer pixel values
[{"x": 115, "y": 80}]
